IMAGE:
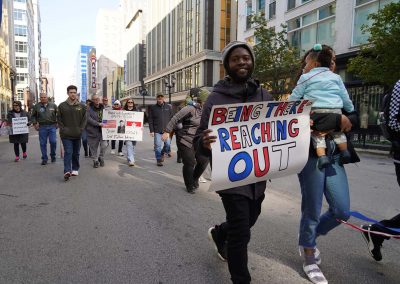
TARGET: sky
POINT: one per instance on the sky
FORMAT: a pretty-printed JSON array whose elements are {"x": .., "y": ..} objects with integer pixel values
[{"x": 65, "y": 25}]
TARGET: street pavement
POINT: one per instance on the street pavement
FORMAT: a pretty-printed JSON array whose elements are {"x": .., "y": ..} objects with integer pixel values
[{"x": 138, "y": 225}]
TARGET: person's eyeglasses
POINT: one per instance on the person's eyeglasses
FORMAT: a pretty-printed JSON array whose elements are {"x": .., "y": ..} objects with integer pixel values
[{"x": 130, "y": 102}]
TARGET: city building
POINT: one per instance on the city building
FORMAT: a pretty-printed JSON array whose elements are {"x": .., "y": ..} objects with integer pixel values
[
  {"x": 81, "y": 74},
  {"x": 24, "y": 36},
  {"x": 333, "y": 22},
  {"x": 38, "y": 48},
  {"x": 47, "y": 80},
  {"x": 7, "y": 57},
  {"x": 182, "y": 50}
]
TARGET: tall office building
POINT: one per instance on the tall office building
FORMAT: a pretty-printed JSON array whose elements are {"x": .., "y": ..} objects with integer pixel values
[
  {"x": 47, "y": 80},
  {"x": 7, "y": 56},
  {"x": 82, "y": 71},
  {"x": 334, "y": 22},
  {"x": 24, "y": 36},
  {"x": 183, "y": 43},
  {"x": 38, "y": 45}
]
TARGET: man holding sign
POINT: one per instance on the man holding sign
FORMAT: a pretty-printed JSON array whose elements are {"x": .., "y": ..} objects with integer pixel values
[{"x": 242, "y": 203}]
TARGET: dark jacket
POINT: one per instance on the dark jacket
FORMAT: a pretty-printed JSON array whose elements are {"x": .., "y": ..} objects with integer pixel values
[
  {"x": 228, "y": 92},
  {"x": 190, "y": 117},
  {"x": 159, "y": 116},
  {"x": 332, "y": 121},
  {"x": 44, "y": 115},
  {"x": 71, "y": 118},
  {"x": 18, "y": 138},
  {"x": 94, "y": 118}
]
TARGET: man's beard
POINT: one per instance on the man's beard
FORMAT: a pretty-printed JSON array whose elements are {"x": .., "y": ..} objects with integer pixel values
[{"x": 236, "y": 78}]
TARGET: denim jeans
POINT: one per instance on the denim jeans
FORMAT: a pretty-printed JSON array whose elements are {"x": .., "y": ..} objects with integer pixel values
[
  {"x": 315, "y": 183},
  {"x": 71, "y": 154},
  {"x": 159, "y": 149},
  {"x": 130, "y": 149},
  {"x": 48, "y": 132},
  {"x": 241, "y": 214}
]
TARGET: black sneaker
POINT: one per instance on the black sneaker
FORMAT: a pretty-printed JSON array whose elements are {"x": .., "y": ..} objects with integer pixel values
[
  {"x": 101, "y": 161},
  {"x": 96, "y": 164},
  {"x": 66, "y": 176},
  {"x": 159, "y": 163},
  {"x": 196, "y": 184},
  {"x": 220, "y": 247},
  {"x": 53, "y": 160},
  {"x": 374, "y": 248},
  {"x": 44, "y": 162},
  {"x": 190, "y": 189}
]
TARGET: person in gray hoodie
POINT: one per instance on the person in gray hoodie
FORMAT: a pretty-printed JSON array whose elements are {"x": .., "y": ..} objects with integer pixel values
[{"x": 242, "y": 204}]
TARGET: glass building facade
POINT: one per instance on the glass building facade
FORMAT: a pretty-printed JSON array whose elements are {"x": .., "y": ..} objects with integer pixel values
[{"x": 82, "y": 71}]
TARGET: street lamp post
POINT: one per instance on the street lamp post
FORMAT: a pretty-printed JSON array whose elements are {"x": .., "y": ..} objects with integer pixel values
[
  {"x": 169, "y": 84},
  {"x": 12, "y": 78}
]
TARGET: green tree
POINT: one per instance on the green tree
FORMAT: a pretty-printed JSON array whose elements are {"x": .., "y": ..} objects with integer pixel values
[
  {"x": 379, "y": 59},
  {"x": 276, "y": 62}
]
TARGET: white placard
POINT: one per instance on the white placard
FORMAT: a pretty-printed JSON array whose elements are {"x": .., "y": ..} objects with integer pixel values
[
  {"x": 258, "y": 141},
  {"x": 20, "y": 125},
  {"x": 122, "y": 125}
]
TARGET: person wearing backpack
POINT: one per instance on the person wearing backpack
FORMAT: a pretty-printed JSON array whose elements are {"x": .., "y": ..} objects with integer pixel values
[
  {"x": 392, "y": 122},
  {"x": 193, "y": 165}
]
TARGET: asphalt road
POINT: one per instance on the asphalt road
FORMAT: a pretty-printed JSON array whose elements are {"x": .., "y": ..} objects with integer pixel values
[{"x": 138, "y": 225}]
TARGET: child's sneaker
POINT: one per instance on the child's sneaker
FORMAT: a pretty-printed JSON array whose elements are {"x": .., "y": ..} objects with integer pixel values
[
  {"x": 323, "y": 162},
  {"x": 24, "y": 155},
  {"x": 345, "y": 157}
]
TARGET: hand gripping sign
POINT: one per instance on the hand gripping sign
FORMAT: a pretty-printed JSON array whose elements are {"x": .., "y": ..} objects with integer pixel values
[{"x": 258, "y": 141}]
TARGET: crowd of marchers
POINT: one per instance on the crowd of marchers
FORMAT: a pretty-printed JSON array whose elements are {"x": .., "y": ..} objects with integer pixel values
[{"x": 333, "y": 117}]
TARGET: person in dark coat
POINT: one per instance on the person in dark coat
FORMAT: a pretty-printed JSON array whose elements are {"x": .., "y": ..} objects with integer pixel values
[
  {"x": 18, "y": 139},
  {"x": 159, "y": 116},
  {"x": 193, "y": 165},
  {"x": 243, "y": 203}
]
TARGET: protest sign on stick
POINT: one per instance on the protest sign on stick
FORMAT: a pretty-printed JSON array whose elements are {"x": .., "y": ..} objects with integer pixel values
[
  {"x": 122, "y": 125},
  {"x": 258, "y": 141}
]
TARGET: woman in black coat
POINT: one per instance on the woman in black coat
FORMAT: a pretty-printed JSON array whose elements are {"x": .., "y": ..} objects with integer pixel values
[{"x": 18, "y": 139}]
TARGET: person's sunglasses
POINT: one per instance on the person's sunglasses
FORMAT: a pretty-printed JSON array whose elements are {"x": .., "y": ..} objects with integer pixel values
[{"x": 130, "y": 102}]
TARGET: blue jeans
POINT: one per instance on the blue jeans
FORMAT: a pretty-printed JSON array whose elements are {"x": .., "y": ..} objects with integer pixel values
[
  {"x": 48, "y": 132},
  {"x": 130, "y": 148},
  {"x": 315, "y": 183},
  {"x": 71, "y": 154},
  {"x": 159, "y": 149}
]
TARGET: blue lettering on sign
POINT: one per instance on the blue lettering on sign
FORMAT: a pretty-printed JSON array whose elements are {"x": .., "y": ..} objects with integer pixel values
[{"x": 242, "y": 156}]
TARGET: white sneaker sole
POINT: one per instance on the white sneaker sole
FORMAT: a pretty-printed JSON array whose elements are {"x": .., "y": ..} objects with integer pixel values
[{"x": 368, "y": 242}]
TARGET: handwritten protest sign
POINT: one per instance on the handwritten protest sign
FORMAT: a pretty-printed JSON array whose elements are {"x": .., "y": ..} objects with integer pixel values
[
  {"x": 122, "y": 125},
  {"x": 258, "y": 141},
  {"x": 20, "y": 125}
]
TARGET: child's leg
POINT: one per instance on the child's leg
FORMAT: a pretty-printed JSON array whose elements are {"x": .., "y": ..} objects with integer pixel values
[
  {"x": 340, "y": 140},
  {"x": 319, "y": 145}
]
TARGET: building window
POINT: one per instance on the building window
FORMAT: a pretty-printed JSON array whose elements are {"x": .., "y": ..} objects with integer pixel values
[
  {"x": 20, "y": 30},
  {"x": 272, "y": 10},
  {"x": 19, "y": 15},
  {"x": 291, "y": 4},
  {"x": 22, "y": 78},
  {"x": 21, "y": 62},
  {"x": 189, "y": 28},
  {"x": 21, "y": 46},
  {"x": 197, "y": 45},
  {"x": 21, "y": 1},
  {"x": 315, "y": 27},
  {"x": 261, "y": 7},
  {"x": 249, "y": 12},
  {"x": 363, "y": 9},
  {"x": 225, "y": 34}
]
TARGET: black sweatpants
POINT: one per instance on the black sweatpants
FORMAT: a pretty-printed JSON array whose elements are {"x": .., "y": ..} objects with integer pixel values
[
  {"x": 16, "y": 148},
  {"x": 193, "y": 164},
  {"x": 241, "y": 215}
]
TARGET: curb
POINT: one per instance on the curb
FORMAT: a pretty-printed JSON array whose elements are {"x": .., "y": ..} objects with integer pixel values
[{"x": 372, "y": 151}]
